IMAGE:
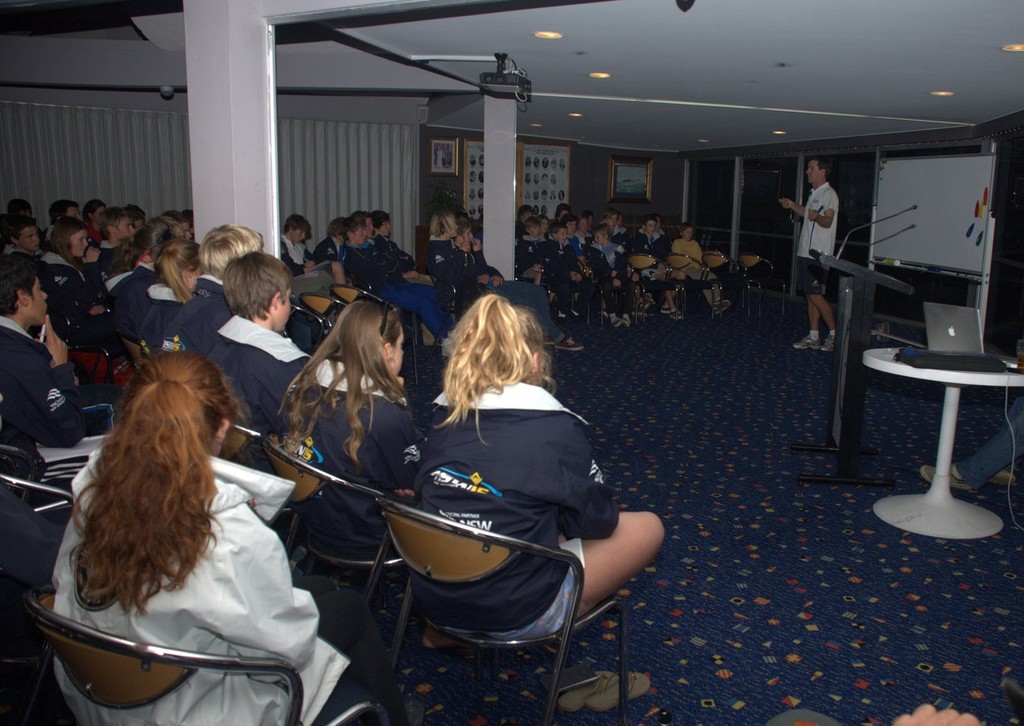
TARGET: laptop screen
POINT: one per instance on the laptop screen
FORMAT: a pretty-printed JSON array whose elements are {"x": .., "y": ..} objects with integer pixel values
[{"x": 953, "y": 329}]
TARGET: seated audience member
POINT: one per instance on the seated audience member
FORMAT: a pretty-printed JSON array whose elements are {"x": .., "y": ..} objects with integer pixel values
[
  {"x": 70, "y": 275},
  {"x": 181, "y": 223},
  {"x": 28, "y": 549},
  {"x": 529, "y": 254},
  {"x": 132, "y": 275},
  {"x": 563, "y": 272},
  {"x": 22, "y": 237},
  {"x": 461, "y": 265},
  {"x": 546, "y": 488},
  {"x": 116, "y": 227},
  {"x": 613, "y": 218},
  {"x": 522, "y": 214},
  {"x": 687, "y": 245},
  {"x": 331, "y": 247},
  {"x": 994, "y": 461},
  {"x": 19, "y": 206},
  {"x": 611, "y": 274},
  {"x": 42, "y": 403},
  {"x": 373, "y": 269},
  {"x": 380, "y": 223},
  {"x": 92, "y": 214},
  {"x": 258, "y": 360},
  {"x": 561, "y": 211},
  {"x": 347, "y": 414},
  {"x": 177, "y": 269},
  {"x": 307, "y": 275},
  {"x": 657, "y": 278},
  {"x": 136, "y": 216},
  {"x": 196, "y": 325},
  {"x": 170, "y": 546},
  {"x": 59, "y": 208}
]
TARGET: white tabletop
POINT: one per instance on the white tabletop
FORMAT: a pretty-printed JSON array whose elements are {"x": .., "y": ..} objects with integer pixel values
[{"x": 881, "y": 359}]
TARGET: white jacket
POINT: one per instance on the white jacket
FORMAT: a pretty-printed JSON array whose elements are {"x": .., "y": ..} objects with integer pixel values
[{"x": 239, "y": 600}]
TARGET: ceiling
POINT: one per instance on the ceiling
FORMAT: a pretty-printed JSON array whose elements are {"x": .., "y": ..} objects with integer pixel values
[{"x": 723, "y": 75}]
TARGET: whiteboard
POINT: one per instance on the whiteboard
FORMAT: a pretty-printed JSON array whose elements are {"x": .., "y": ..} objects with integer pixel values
[{"x": 952, "y": 194}]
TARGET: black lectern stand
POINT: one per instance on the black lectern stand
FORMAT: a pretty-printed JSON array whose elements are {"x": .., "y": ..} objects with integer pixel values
[{"x": 846, "y": 393}]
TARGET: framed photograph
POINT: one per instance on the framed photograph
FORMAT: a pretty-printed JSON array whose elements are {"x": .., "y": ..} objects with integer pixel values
[
  {"x": 542, "y": 176},
  {"x": 629, "y": 179},
  {"x": 444, "y": 156},
  {"x": 473, "y": 178}
]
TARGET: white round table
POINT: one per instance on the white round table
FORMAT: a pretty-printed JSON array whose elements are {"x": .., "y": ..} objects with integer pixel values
[{"x": 936, "y": 513}]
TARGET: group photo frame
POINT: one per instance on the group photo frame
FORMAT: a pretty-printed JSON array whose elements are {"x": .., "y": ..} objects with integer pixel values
[{"x": 542, "y": 175}]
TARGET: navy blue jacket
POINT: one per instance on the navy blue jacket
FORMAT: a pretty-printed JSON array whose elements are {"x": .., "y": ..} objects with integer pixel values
[
  {"x": 602, "y": 268},
  {"x": 41, "y": 403},
  {"x": 528, "y": 253},
  {"x": 260, "y": 365},
  {"x": 328, "y": 250},
  {"x": 342, "y": 522},
  {"x": 131, "y": 299},
  {"x": 528, "y": 473},
  {"x": 372, "y": 267},
  {"x": 201, "y": 317},
  {"x": 155, "y": 334},
  {"x": 451, "y": 265},
  {"x": 399, "y": 257},
  {"x": 71, "y": 292},
  {"x": 560, "y": 261}
]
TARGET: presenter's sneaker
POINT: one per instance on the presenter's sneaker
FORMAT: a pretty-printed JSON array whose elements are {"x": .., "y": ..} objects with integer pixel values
[
  {"x": 829, "y": 345},
  {"x": 807, "y": 342}
]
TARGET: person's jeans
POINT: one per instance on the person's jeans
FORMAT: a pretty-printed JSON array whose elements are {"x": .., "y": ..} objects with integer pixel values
[
  {"x": 534, "y": 297},
  {"x": 996, "y": 453}
]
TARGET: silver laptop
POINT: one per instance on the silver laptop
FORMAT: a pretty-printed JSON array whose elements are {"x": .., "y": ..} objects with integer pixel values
[{"x": 953, "y": 329}]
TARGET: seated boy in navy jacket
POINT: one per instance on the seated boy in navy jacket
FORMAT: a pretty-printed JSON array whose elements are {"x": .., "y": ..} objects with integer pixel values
[{"x": 258, "y": 359}]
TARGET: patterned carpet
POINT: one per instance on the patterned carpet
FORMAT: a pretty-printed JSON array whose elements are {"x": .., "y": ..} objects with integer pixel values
[{"x": 767, "y": 595}]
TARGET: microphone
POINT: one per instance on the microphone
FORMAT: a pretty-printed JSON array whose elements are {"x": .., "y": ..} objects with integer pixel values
[{"x": 872, "y": 224}]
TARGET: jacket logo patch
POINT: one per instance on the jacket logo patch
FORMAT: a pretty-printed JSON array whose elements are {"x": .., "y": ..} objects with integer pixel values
[
  {"x": 411, "y": 453},
  {"x": 307, "y": 452},
  {"x": 55, "y": 399},
  {"x": 470, "y": 520},
  {"x": 60, "y": 280},
  {"x": 444, "y": 477}
]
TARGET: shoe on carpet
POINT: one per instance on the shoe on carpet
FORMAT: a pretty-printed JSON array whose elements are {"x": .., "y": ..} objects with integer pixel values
[
  {"x": 676, "y": 315},
  {"x": 665, "y": 310},
  {"x": 955, "y": 479},
  {"x": 721, "y": 306},
  {"x": 1003, "y": 477},
  {"x": 568, "y": 343},
  {"x": 616, "y": 320},
  {"x": 829, "y": 345},
  {"x": 625, "y": 321},
  {"x": 605, "y": 695},
  {"x": 807, "y": 342}
]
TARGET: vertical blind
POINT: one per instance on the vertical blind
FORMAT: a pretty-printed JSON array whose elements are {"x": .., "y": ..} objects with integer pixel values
[{"x": 327, "y": 168}]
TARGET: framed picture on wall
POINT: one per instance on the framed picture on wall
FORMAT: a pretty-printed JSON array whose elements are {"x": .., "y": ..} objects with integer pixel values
[
  {"x": 542, "y": 176},
  {"x": 629, "y": 179},
  {"x": 444, "y": 156},
  {"x": 473, "y": 178}
]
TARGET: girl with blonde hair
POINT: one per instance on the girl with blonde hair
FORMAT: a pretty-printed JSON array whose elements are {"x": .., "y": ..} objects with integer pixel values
[
  {"x": 177, "y": 269},
  {"x": 171, "y": 547},
  {"x": 347, "y": 414},
  {"x": 507, "y": 456}
]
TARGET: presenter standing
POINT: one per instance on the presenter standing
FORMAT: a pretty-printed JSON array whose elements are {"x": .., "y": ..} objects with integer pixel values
[{"x": 818, "y": 232}]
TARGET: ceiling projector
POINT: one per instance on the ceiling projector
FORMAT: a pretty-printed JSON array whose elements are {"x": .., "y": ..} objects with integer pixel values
[{"x": 506, "y": 82}]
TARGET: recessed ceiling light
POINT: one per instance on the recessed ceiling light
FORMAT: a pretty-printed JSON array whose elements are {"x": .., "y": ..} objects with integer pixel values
[
  {"x": 547, "y": 35},
  {"x": 1014, "y": 47},
  {"x": 600, "y": 75},
  {"x": 942, "y": 93},
  {"x": 576, "y": 115},
  {"x": 536, "y": 126},
  {"x": 780, "y": 132},
  {"x": 703, "y": 141}
]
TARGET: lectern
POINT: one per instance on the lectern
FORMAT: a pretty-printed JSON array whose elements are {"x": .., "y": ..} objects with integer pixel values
[{"x": 849, "y": 377}]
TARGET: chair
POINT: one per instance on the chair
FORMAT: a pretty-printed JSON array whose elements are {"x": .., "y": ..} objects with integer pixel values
[
  {"x": 236, "y": 443},
  {"x": 323, "y": 308},
  {"x": 118, "y": 673},
  {"x": 638, "y": 263},
  {"x": 446, "y": 551},
  {"x": 134, "y": 348},
  {"x": 308, "y": 481},
  {"x": 99, "y": 354},
  {"x": 724, "y": 268},
  {"x": 680, "y": 261},
  {"x": 18, "y": 462},
  {"x": 26, "y": 487},
  {"x": 760, "y": 274}
]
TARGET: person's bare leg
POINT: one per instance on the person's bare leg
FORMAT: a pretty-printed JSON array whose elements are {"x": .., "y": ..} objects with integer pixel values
[
  {"x": 813, "y": 316},
  {"x": 338, "y": 273},
  {"x": 822, "y": 310},
  {"x": 610, "y": 562}
]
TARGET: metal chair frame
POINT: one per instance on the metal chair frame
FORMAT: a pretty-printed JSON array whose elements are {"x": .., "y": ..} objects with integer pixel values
[
  {"x": 749, "y": 261},
  {"x": 119, "y": 673},
  {"x": 447, "y": 551}
]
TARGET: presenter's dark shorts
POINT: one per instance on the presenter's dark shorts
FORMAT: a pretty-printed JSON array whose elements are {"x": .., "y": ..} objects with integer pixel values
[{"x": 810, "y": 276}]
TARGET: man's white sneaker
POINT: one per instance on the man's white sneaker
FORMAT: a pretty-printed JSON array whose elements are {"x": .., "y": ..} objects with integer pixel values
[
  {"x": 829, "y": 345},
  {"x": 807, "y": 342}
]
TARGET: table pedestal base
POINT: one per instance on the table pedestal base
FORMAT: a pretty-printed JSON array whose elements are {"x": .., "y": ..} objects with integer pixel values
[{"x": 940, "y": 516}]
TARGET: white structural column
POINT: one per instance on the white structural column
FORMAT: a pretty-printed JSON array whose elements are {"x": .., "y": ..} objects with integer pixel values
[
  {"x": 500, "y": 183},
  {"x": 229, "y": 51}
]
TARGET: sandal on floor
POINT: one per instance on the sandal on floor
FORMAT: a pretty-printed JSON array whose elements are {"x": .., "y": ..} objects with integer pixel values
[
  {"x": 606, "y": 692},
  {"x": 575, "y": 698}
]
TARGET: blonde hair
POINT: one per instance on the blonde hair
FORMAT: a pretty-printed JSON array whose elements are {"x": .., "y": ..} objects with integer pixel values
[
  {"x": 176, "y": 257},
  {"x": 494, "y": 346},
  {"x": 442, "y": 225},
  {"x": 225, "y": 243},
  {"x": 356, "y": 342}
]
